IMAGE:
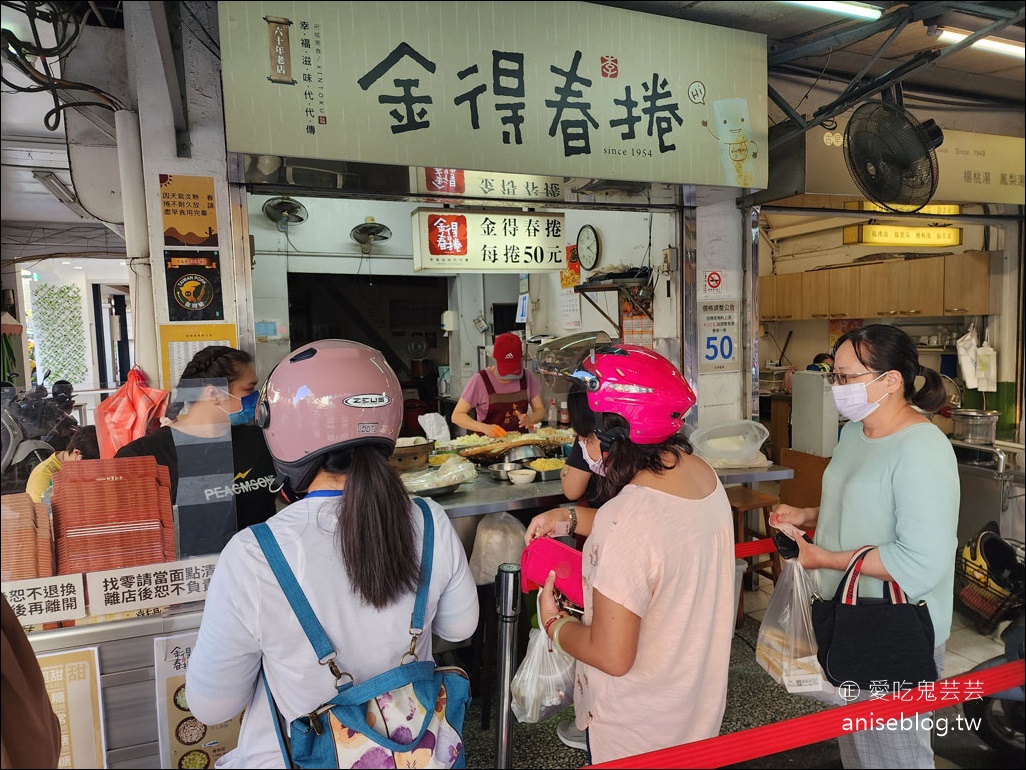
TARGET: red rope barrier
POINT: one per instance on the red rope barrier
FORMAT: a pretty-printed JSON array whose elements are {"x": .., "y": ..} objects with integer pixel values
[{"x": 903, "y": 707}]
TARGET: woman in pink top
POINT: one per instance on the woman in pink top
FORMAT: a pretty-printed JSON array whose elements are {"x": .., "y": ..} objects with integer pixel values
[{"x": 654, "y": 646}]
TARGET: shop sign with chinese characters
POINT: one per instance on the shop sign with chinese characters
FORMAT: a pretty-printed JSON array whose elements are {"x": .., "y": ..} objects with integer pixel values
[
  {"x": 718, "y": 336},
  {"x": 494, "y": 86},
  {"x": 152, "y": 585},
  {"x": 488, "y": 241},
  {"x": 46, "y": 600},
  {"x": 465, "y": 183}
]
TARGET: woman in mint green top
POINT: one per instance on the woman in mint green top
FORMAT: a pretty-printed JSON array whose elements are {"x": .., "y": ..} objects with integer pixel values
[{"x": 892, "y": 482}]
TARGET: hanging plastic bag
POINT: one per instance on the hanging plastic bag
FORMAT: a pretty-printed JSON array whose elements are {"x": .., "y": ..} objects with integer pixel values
[
  {"x": 967, "y": 346},
  {"x": 986, "y": 366},
  {"x": 133, "y": 411},
  {"x": 499, "y": 540},
  {"x": 786, "y": 647},
  {"x": 544, "y": 683}
]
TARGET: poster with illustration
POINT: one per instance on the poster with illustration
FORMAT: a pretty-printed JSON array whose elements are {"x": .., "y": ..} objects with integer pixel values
[
  {"x": 188, "y": 210},
  {"x": 193, "y": 285},
  {"x": 732, "y": 127},
  {"x": 185, "y": 742}
]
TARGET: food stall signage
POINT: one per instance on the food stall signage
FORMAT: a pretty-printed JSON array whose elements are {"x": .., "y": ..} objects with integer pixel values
[
  {"x": 718, "y": 322},
  {"x": 440, "y": 85},
  {"x": 467, "y": 183},
  {"x": 488, "y": 241},
  {"x": 46, "y": 600},
  {"x": 152, "y": 585},
  {"x": 899, "y": 235},
  {"x": 72, "y": 680}
]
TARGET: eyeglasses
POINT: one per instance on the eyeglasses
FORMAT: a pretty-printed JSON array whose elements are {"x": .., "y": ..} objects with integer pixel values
[{"x": 836, "y": 378}]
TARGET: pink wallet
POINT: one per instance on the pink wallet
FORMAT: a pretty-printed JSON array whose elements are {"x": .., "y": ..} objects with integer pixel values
[{"x": 544, "y": 555}]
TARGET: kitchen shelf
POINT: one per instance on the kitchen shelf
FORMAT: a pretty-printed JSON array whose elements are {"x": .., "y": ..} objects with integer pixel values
[{"x": 620, "y": 286}]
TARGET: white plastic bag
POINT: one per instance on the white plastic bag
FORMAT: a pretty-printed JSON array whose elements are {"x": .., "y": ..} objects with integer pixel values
[
  {"x": 986, "y": 367},
  {"x": 967, "y": 346},
  {"x": 499, "y": 540},
  {"x": 544, "y": 683},
  {"x": 786, "y": 647}
]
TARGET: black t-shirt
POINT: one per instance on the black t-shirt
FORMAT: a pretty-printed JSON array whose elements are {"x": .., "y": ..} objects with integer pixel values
[
  {"x": 254, "y": 470},
  {"x": 592, "y": 494}
]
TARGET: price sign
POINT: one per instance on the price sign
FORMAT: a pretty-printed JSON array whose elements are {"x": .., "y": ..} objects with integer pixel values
[{"x": 718, "y": 336}]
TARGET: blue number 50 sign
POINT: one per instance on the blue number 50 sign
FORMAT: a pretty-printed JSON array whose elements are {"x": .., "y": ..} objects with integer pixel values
[{"x": 718, "y": 335}]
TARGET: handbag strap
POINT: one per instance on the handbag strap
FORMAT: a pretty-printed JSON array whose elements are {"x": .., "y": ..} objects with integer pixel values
[
  {"x": 308, "y": 619},
  {"x": 848, "y": 589},
  {"x": 301, "y": 606}
]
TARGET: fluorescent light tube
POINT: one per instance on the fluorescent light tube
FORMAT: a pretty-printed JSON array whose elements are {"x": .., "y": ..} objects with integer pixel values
[
  {"x": 855, "y": 10},
  {"x": 984, "y": 44}
]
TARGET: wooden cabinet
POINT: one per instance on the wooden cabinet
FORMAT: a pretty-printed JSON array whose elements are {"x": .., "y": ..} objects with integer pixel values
[
  {"x": 780, "y": 297},
  {"x": 844, "y": 292},
  {"x": 816, "y": 295},
  {"x": 921, "y": 287},
  {"x": 878, "y": 290},
  {"x": 967, "y": 283}
]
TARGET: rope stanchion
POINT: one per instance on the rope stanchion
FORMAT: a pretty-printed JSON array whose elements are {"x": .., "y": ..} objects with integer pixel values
[{"x": 886, "y": 713}]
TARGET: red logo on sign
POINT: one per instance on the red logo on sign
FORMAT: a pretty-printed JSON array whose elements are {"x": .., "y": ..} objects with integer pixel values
[
  {"x": 610, "y": 67},
  {"x": 713, "y": 280},
  {"x": 322, "y": 120},
  {"x": 444, "y": 180},
  {"x": 447, "y": 235}
]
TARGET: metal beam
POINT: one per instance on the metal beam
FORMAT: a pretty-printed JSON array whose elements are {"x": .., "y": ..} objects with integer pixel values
[{"x": 165, "y": 50}]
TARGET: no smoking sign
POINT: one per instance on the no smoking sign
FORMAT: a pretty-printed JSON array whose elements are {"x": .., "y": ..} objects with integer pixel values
[{"x": 713, "y": 281}]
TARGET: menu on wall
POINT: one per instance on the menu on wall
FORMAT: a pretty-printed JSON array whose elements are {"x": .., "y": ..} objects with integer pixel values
[
  {"x": 72, "y": 680},
  {"x": 185, "y": 742}
]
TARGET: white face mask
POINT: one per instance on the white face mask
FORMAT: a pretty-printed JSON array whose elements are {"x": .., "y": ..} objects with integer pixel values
[
  {"x": 853, "y": 402},
  {"x": 594, "y": 465}
]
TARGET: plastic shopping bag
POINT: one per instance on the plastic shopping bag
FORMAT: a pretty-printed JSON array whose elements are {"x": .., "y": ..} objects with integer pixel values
[
  {"x": 786, "y": 647},
  {"x": 499, "y": 540},
  {"x": 133, "y": 411},
  {"x": 544, "y": 683},
  {"x": 967, "y": 346}
]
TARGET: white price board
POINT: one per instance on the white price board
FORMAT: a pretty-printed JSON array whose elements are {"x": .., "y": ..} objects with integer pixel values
[
  {"x": 46, "y": 600},
  {"x": 151, "y": 585},
  {"x": 718, "y": 336}
]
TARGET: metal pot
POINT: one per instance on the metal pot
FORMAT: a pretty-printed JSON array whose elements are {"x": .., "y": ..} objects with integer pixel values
[
  {"x": 521, "y": 453},
  {"x": 974, "y": 426},
  {"x": 500, "y": 471}
]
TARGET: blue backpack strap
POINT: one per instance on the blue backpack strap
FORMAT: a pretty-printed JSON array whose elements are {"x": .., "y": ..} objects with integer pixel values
[
  {"x": 426, "y": 559},
  {"x": 293, "y": 592}
]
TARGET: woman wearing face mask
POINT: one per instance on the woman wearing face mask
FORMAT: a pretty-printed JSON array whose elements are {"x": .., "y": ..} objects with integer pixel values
[
  {"x": 892, "y": 482},
  {"x": 220, "y": 390}
]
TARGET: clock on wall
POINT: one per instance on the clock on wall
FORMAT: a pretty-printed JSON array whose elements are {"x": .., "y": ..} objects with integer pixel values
[{"x": 588, "y": 247}]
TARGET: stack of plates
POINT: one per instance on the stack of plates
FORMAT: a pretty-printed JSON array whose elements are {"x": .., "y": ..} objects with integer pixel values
[
  {"x": 111, "y": 514},
  {"x": 27, "y": 547}
]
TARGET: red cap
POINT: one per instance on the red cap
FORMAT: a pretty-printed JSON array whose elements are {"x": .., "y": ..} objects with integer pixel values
[{"x": 508, "y": 354}]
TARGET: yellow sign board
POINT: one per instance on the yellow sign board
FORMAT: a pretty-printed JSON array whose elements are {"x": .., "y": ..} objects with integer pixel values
[
  {"x": 188, "y": 210},
  {"x": 180, "y": 342},
  {"x": 72, "y": 679},
  {"x": 899, "y": 235}
]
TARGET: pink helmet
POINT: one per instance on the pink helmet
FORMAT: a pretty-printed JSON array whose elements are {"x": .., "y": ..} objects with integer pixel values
[
  {"x": 325, "y": 396},
  {"x": 639, "y": 385}
]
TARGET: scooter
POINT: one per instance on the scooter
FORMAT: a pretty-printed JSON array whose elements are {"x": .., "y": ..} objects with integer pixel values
[
  {"x": 33, "y": 426},
  {"x": 990, "y": 584}
]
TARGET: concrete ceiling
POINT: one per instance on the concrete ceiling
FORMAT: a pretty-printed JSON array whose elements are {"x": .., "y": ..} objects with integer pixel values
[{"x": 803, "y": 44}]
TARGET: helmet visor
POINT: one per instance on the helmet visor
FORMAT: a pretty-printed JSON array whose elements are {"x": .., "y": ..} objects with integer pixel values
[{"x": 564, "y": 356}]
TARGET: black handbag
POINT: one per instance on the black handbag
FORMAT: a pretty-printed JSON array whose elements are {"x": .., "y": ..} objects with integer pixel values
[{"x": 875, "y": 643}]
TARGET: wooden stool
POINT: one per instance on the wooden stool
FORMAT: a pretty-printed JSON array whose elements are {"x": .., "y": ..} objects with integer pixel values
[{"x": 743, "y": 500}]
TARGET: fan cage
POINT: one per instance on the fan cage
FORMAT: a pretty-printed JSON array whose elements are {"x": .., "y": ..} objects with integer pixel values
[{"x": 891, "y": 157}]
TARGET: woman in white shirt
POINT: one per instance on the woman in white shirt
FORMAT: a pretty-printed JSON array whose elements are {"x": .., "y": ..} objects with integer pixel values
[{"x": 330, "y": 412}]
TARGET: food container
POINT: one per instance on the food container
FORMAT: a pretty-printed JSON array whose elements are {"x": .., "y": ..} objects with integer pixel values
[
  {"x": 500, "y": 471},
  {"x": 411, "y": 458},
  {"x": 730, "y": 441},
  {"x": 523, "y": 453},
  {"x": 547, "y": 474},
  {"x": 974, "y": 426},
  {"x": 522, "y": 475}
]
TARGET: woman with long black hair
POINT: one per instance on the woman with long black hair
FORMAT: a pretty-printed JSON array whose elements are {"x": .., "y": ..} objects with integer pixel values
[{"x": 331, "y": 412}]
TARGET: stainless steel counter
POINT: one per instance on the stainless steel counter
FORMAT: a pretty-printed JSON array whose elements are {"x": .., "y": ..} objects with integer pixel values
[{"x": 486, "y": 495}]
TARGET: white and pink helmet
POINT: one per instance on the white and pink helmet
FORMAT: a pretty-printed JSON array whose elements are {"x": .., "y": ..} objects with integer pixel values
[{"x": 325, "y": 396}]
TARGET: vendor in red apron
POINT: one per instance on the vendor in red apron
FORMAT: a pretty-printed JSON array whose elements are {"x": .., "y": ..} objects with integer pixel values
[{"x": 502, "y": 398}]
